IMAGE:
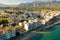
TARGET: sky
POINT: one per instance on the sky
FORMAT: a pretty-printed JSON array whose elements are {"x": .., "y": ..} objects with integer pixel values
[{"x": 15, "y": 2}]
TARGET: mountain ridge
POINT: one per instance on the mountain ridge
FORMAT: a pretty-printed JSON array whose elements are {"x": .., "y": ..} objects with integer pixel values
[{"x": 41, "y": 4}]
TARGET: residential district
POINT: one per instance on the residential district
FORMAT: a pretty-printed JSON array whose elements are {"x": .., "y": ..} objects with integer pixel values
[{"x": 15, "y": 24}]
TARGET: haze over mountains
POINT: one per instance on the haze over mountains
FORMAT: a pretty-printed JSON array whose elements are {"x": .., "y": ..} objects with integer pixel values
[
  {"x": 4, "y": 5},
  {"x": 41, "y": 4},
  {"x": 31, "y": 4}
]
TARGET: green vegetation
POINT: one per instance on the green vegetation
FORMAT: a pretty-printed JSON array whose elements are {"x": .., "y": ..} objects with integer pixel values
[
  {"x": 3, "y": 20},
  {"x": 39, "y": 8},
  {"x": 33, "y": 8},
  {"x": 49, "y": 35}
]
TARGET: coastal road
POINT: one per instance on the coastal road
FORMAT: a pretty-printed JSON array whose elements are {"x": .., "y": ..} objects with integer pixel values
[
  {"x": 29, "y": 36},
  {"x": 33, "y": 33}
]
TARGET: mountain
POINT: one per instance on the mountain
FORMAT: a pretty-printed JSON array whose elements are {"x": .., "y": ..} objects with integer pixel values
[
  {"x": 38, "y": 4},
  {"x": 41, "y": 4}
]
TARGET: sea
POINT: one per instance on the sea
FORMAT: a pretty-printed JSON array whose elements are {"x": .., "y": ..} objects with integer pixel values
[{"x": 50, "y": 34}]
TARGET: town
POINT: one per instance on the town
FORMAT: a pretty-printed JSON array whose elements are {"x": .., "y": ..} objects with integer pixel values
[{"x": 17, "y": 22}]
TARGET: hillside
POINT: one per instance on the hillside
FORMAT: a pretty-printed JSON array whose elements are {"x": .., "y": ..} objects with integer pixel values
[{"x": 41, "y": 4}]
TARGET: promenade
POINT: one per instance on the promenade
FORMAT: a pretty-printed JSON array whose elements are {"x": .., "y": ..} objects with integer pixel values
[{"x": 33, "y": 33}]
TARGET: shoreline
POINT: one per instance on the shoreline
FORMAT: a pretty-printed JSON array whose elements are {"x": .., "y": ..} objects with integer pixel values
[
  {"x": 40, "y": 30},
  {"x": 53, "y": 24}
]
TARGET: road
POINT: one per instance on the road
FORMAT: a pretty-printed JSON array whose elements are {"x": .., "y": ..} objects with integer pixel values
[{"x": 29, "y": 36}]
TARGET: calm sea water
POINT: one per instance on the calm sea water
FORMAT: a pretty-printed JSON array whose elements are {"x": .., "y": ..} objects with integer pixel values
[{"x": 49, "y": 35}]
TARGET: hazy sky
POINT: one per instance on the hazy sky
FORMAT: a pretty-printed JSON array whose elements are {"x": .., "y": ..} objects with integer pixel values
[{"x": 15, "y": 2}]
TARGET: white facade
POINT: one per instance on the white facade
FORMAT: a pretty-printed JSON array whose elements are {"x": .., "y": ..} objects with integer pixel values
[{"x": 26, "y": 26}]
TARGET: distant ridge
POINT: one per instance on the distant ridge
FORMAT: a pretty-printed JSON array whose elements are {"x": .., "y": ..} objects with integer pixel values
[
  {"x": 31, "y": 4},
  {"x": 41, "y": 4}
]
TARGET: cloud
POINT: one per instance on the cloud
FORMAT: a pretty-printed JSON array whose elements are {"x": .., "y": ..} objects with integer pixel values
[
  {"x": 14, "y": 2},
  {"x": 10, "y": 2}
]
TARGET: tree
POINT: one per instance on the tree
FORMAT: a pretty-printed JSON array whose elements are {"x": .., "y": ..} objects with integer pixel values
[{"x": 3, "y": 21}]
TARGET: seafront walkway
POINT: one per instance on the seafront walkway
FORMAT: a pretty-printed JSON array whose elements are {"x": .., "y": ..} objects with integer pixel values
[
  {"x": 53, "y": 24},
  {"x": 29, "y": 36},
  {"x": 49, "y": 26},
  {"x": 33, "y": 33}
]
